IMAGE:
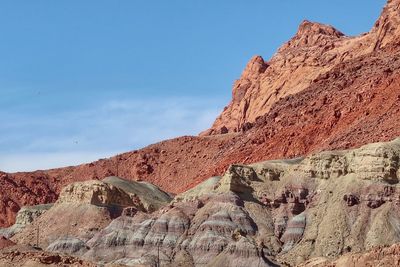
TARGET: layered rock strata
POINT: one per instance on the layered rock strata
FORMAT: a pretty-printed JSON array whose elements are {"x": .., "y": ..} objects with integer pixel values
[{"x": 281, "y": 212}]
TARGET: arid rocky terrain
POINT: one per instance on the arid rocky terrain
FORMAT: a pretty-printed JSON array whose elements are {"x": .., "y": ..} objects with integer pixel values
[
  {"x": 325, "y": 209},
  {"x": 223, "y": 198}
]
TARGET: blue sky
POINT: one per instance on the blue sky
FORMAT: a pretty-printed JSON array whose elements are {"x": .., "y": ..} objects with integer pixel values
[{"x": 82, "y": 80}]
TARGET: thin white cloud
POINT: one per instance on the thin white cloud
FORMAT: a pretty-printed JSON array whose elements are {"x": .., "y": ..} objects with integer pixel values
[
  {"x": 52, "y": 140},
  {"x": 41, "y": 161}
]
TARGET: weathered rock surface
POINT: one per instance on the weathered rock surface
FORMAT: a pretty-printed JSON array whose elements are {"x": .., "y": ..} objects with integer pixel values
[
  {"x": 213, "y": 228},
  {"x": 294, "y": 231},
  {"x": 386, "y": 31},
  {"x": 201, "y": 232},
  {"x": 203, "y": 188},
  {"x": 68, "y": 245},
  {"x": 18, "y": 190},
  {"x": 242, "y": 253},
  {"x": 378, "y": 162},
  {"x": 82, "y": 210},
  {"x": 25, "y": 216},
  {"x": 152, "y": 197},
  {"x": 238, "y": 179},
  {"x": 81, "y": 221},
  {"x": 95, "y": 193}
]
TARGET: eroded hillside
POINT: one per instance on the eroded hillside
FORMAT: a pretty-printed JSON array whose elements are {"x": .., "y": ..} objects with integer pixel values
[{"x": 327, "y": 208}]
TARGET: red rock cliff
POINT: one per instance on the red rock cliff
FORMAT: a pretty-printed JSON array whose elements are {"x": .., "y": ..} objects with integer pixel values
[{"x": 313, "y": 51}]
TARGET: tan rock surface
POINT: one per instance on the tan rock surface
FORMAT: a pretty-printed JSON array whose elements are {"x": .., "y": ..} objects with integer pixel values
[
  {"x": 95, "y": 193},
  {"x": 82, "y": 209}
]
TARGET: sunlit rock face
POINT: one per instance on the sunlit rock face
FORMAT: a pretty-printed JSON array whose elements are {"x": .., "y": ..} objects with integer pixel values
[
  {"x": 95, "y": 193},
  {"x": 314, "y": 51}
]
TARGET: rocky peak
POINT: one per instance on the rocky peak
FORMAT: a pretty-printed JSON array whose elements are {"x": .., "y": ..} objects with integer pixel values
[
  {"x": 292, "y": 69},
  {"x": 254, "y": 68},
  {"x": 386, "y": 28},
  {"x": 312, "y": 33},
  {"x": 314, "y": 28},
  {"x": 250, "y": 75},
  {"x": 313, "y": 51}
]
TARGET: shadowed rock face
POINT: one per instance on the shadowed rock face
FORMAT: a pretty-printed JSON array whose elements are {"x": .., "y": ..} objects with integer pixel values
[
  {"x": 24, "y": 190},
  {"x": 294, "y": 231},
  {"x": 386, "y": 28}
]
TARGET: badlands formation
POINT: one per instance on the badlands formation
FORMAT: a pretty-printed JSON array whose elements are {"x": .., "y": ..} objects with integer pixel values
[
  {"x": 326, "y": 104},
  {"x": 326, "y": 209}
]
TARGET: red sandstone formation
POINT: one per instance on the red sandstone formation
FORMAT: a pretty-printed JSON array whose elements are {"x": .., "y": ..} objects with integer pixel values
[
  {"x": 314, "y": 51},
  {"x": 322, "y": 90}
]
